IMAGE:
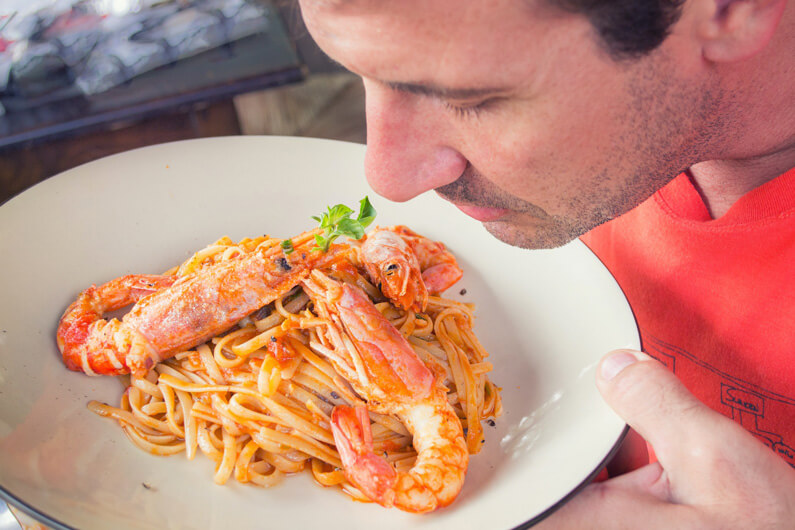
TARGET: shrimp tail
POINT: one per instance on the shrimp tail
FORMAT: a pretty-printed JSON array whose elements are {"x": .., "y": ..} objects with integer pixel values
[
  {"x": 373, "y": 475},
  {"x": 95, "y": 346}
]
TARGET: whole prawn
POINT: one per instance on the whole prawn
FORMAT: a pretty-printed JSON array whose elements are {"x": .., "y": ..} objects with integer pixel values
[
  {"x": 171, "y": 315},
  {"x": 384, "y": 369},
  {"x": 408, "y": 266}
]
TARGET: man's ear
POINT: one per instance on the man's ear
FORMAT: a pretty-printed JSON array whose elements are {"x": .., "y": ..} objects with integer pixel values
[{"x": 733, "y": 30}]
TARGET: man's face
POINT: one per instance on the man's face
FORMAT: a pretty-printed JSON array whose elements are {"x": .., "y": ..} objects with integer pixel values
[{"x": 514, "y": 113}]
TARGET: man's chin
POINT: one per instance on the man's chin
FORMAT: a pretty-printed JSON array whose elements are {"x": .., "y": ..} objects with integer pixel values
[{"x": 530, "y": 237}]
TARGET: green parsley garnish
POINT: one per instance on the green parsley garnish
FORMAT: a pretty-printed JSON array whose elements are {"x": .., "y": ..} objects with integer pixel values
[
  {"x": 337, "y": 222},
  {"x": 287, "y": 245}
]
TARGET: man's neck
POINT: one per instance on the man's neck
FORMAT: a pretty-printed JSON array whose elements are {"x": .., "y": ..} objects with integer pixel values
[{"x": 722, "y": 182}]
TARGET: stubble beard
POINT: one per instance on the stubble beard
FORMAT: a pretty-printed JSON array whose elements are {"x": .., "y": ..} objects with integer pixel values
[
  {"x": 526, "y": 225},
  {"x": 529, "y": 226}
]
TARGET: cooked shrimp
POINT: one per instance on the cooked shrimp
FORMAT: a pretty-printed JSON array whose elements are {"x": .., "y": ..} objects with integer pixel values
[
  {"x": 390, "y": 261},
  {"x": 408, "y": 266},
  {"x": 384, "y": 370},
  {"x": 439, "y": 267},
  {"x": 176, "y": 315},
  {"x": 87, "y": 342}
]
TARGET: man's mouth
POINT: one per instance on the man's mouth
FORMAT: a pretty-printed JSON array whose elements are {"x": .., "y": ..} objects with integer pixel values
[{"x": 480, "y": 213}]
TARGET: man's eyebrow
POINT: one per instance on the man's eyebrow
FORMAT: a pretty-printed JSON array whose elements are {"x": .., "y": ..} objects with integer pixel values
[{"x": 442, "y": 92}]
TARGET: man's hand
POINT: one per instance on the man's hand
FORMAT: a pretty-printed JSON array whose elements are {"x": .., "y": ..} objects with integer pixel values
[{"x": 711, "y": 472}]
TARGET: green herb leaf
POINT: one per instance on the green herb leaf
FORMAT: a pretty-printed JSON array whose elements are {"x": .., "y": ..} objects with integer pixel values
[
  {"x": 366, "y": 212},
  {"x": 335, "y": 215},
  {"x": 336, "y": 222},
  {"x": 287, "y": 245},
  {"x": 321, "y": 243},
  {"x": 351, "y": 228}
]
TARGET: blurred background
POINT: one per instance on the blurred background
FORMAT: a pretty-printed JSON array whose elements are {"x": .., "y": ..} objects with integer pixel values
[{"x": 83, "y": 79}]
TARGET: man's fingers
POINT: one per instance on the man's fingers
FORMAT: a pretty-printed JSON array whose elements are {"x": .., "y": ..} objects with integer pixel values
[
  {"x": 650, "y": 479},
  {"x": 627, "y": 502},
  {"x": 709, "y": 461},
  {"x": 652, "y": 401}
]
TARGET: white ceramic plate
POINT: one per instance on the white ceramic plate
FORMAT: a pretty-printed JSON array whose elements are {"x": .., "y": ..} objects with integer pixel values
[{"x": 545, "y": 316}]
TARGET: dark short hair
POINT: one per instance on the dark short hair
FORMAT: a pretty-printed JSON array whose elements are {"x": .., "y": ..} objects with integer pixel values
[{"x": 627, "y": 28}]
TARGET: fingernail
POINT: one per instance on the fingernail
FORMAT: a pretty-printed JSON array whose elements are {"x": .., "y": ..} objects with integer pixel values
[{"x": 615, "y": 363}]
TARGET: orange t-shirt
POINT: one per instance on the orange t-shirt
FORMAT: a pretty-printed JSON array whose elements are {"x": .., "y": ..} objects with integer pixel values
[{"x": 715, "y": 298}]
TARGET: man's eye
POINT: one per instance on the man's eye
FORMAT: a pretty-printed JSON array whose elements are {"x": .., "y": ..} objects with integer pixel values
[{"x": 465, "y": 111}]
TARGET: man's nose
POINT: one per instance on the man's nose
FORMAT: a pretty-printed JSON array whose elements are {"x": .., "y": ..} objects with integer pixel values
[{"x": 408, "y": 147}]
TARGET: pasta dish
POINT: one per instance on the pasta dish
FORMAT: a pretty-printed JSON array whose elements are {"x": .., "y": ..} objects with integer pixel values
[{"x": 355, "y": 369}]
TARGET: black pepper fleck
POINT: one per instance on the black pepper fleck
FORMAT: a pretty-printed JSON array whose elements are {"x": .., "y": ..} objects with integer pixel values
[
  {"x": 490, "y": 422},
  {"x": 462, "y": 292},
  {"x": 282, "y": 263}
]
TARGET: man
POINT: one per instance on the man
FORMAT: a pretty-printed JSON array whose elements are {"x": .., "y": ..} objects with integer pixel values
[{"x": 546, "y": 118}]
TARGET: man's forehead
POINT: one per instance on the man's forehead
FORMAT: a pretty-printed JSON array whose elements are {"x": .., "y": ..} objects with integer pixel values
[
  {"x": 530, "y": 5},
  {"x": 416, "y": 12},
  {"x": 394, "y": 41}
]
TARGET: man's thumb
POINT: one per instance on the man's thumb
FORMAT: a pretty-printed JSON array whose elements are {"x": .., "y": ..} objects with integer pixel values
[{"x": 652, "y": 401}]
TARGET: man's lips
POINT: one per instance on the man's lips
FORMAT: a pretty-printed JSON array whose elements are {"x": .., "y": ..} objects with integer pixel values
[{"x": 481, "y": 214}]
